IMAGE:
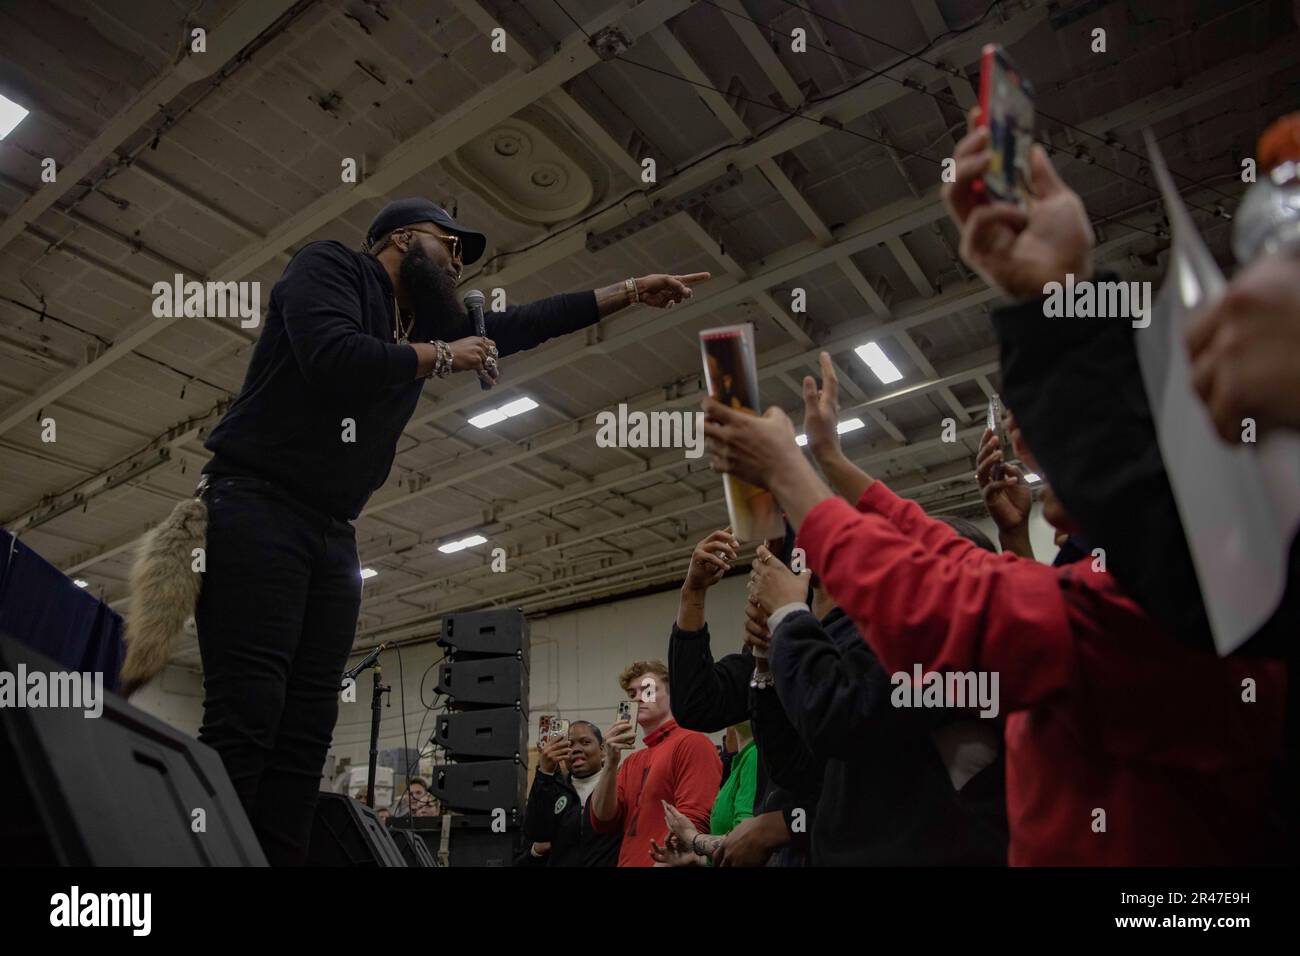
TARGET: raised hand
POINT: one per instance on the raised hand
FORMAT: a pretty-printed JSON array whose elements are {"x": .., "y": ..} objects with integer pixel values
[
  {"x": 821, "y": 411},
  {"x": 553, "y": 754},
  {"x": 751, "y": 447},
  {"x": 1018, "y": 251},
  {"x": 711, "y": 559},
  {"x": 619, "y": 736},
  {"x": 1007, "y": 499},
  {"x": 773, "y": 585}
]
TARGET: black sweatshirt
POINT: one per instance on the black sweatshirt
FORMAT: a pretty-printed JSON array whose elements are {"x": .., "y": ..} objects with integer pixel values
[
  {"x": 1077, "y": 391},
  {"x": 709, "y": 695},
  {"x": 554, "y": 814},
  {"x": 886, "y": 796},
  {"x": 327, "y": 353}
]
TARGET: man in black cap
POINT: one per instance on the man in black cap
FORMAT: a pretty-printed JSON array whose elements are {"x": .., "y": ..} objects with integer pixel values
[{"x": 334, "y": 378}]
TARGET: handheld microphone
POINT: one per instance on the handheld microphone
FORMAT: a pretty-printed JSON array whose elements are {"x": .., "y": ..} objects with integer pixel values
[
  {"x": 365, "y": 662},
  {"x": 474, "y": 306}
]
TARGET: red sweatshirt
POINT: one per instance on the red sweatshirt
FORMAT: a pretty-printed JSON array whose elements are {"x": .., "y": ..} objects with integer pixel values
[
  {"x": 1104, "y": 711},
  {"x": 678, "y": 765}
]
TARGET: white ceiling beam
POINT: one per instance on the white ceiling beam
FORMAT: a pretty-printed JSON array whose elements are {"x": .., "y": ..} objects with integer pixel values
[
  {"x": 761, "y": 50},
  {"x": 890, "y": 428},
  {"x": 789, "y": 323},
  {"x": 932, "y": 21},
  {"x": 920, "y": 361},
  {"x": 823, "y": 41},
  {"x": 911, "y": 268},
  {"x": 862, "y": 285}
]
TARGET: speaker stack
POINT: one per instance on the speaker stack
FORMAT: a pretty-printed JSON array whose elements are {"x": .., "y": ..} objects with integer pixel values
[{"x": 484, "y": 734}]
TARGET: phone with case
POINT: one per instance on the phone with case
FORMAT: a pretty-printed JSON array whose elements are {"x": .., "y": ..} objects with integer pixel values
[
  {"x": 629, "y": 710},
  {"x": 1007, "y": 110}
]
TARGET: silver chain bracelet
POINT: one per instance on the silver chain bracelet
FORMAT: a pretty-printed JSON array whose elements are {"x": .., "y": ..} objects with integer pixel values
[{"x": 441, "y": 364}]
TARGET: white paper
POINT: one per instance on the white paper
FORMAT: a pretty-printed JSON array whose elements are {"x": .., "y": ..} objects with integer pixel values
[{"x": 1240, "y": 502}]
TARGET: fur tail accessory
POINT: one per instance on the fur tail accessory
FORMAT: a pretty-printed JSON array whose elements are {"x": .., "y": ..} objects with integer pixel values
[{"x": 164, "y": 591}]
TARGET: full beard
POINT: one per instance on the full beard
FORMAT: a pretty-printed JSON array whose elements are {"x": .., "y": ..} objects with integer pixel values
[{"x": 431, "y": 292}]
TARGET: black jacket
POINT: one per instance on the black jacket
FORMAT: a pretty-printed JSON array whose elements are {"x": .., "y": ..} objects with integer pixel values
[
  {"x": 555, "y": 815},
  {"x": 886, "y": 797},
  {"x": 327, "y": 354}
]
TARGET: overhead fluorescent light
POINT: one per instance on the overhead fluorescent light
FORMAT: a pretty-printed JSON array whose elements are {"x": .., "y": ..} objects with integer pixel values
[
  {"x": 11, "y": 114},
  {"x": 848, "y": 425},
  {"x": 451, "y": 547},
  {"x": 878, "y": 362},
  {"x": 368, "y": 573},
  {"x": 488, "y": 418},
  {"x": 508, "y": 410},
  {"x": 518, "y": 407},
  {"x": 78, "y": 582}
]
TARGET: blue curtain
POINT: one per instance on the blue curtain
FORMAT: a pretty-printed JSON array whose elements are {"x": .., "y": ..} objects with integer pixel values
[{"x": 41, "y": 607}]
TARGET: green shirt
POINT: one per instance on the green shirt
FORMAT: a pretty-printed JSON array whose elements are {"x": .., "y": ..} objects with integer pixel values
[{"x": 736, "y": 798}]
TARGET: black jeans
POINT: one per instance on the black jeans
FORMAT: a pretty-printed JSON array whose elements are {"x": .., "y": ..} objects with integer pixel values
[{"x": 276, "y": 619}]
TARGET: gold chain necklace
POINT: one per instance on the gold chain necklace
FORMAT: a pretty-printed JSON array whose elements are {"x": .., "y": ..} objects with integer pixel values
[{"x": 401, "y": 335}]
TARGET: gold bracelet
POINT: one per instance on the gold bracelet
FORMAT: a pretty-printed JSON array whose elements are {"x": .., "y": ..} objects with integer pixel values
[{"x": 633, "y": 293}]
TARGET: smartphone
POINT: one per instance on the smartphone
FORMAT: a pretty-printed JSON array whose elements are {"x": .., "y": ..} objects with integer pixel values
[
  {"x": 629, "y": 710},
  {"x": 559, "y": 728},
  {"x": 544, "y": 730},
  {"x": 997, "y": 420},
  {"x": 1007, "y": 109}
]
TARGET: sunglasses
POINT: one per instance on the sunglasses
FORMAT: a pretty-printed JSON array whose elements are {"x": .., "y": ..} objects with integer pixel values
[{"x": 452, "y": 243}]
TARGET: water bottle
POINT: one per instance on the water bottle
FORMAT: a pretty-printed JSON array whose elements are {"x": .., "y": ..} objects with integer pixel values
[{"x": 1268, "y": 219}]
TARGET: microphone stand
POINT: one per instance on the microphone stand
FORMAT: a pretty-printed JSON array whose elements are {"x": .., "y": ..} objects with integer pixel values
[{"x": 376, "y": 698}]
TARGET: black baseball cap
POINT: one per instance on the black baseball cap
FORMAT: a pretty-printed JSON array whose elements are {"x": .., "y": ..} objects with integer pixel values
[{"x": 407, "y": 212}]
